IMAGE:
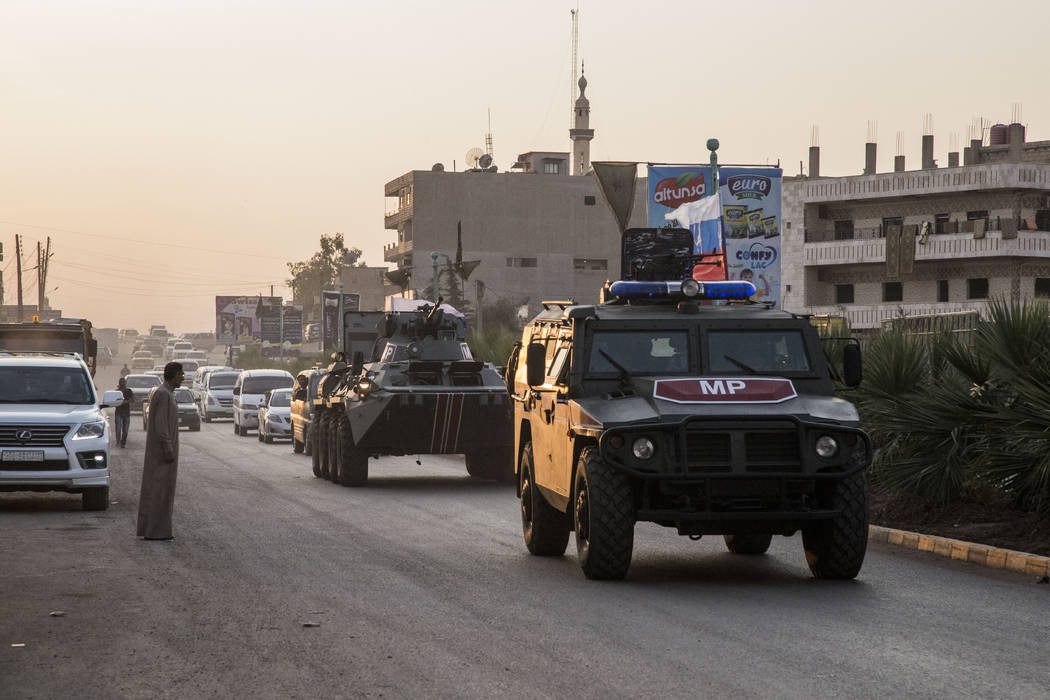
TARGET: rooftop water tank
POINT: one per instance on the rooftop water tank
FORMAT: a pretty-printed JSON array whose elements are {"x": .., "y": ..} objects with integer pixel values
[{"x": 999, "y": 135}]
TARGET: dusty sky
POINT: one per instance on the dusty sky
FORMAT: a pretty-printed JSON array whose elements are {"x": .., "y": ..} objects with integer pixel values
[{"x": 174, "y": 150}]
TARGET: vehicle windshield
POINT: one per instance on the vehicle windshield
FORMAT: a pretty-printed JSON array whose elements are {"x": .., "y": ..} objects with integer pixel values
[
  {"x": 768, "y": 351},
  {"x": 189, "y": 366},
  {"x": 260, "y": 385},
  {"x": 143, "y": 381},
  {"x": 281, "y": 398},
  {"x": 183, "y": 396},
  {"x": 657, "y": 352},
  {"x": 64, "y": 385},
  {"x": 225, "y": 380}
]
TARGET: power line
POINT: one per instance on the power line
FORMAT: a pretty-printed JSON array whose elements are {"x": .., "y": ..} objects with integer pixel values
[{"x": 176, "y": 278}]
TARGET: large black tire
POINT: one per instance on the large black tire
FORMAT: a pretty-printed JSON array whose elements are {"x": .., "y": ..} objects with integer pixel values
[
  {"x": 497, "y": 465},
  {"x": 546, "y": 529},
  {"x": 321, "y": 443},
  {"x": 95, "y": 498},
  {"x": 315, "y": 454},
  {"x": 332, "y": 444},
  {"x": 748, "y": 543},
  {"x": 353, "y": 463},
  {"x": 835, "y": 548},
  {"x": 603, "y": 517}
]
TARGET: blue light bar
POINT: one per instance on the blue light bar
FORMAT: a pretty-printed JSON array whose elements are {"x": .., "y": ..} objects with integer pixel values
[{"x": 728, "y": 289}]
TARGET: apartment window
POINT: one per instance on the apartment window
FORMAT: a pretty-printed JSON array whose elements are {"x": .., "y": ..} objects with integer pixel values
[
  {"x": 843, "y": 293},
  {"x": 1042, "y": 287},
  {"x": 940, "y": 223},
  {"x": 521, "y": 262},
  {"x": 551, "y": 168},
  {"x": 844, "y": 230},
  {"x": 977, "y": 288},
  {"x": 892, "y": 291},
  {"x": 942, "y": 290},
  {"x": 888, "y": 221},
  {"x": 977, "y": 214},
  {"x": 588, "y": 200},
  {"x": 590, "y": 264}
]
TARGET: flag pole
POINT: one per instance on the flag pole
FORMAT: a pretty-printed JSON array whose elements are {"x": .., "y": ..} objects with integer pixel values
[{"x": 712, "y": 145}]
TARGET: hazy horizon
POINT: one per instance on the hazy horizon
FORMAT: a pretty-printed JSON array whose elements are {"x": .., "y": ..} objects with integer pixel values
[{"x": 174, "y": 153}]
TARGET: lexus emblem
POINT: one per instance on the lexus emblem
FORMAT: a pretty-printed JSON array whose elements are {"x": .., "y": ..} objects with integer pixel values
[{"x": 24, "y": 435}]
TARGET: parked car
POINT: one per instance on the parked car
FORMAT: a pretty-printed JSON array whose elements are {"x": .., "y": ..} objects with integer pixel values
[
  {"x": 303, "y": 395},
  {"x": 53, "y": 434},
  {"x": 217, "y": 395},
  {"x": 141, "y": 385},
  {"x": 189, "y": 416},
  {"x": 275, "y": 418},
  {"x": 249, "y": 394}
]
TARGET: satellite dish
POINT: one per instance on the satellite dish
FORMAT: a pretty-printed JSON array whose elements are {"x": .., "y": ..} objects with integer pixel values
[
  {"x": 438, "y": 167},
  {"x": 485, "y": 161},
  {"x": 474, "y": 156}
]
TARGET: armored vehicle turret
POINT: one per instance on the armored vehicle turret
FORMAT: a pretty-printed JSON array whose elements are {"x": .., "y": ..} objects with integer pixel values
[{"x": 421, "y": 393}]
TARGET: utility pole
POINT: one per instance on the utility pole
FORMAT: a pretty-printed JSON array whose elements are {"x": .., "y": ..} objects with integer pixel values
[
  {"x": 47, "y": 268},
  {"x": 39, "y": 281},
  {"x": 18, "y": 267},
  {"x": 2, "y": 281}
]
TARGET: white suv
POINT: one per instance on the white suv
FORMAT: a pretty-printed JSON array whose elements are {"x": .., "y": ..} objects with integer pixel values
[
  {"x": 53, "y": 435},
  {"x": 249, "y": 395}
]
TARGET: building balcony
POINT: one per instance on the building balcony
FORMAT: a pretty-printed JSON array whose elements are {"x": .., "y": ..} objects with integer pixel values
[
  {"x": 1027, "y": 244},
  {"x": 393, "y": 219},
  {"x": 393, "y": 252},
  {"x": 871, "y": 316}
]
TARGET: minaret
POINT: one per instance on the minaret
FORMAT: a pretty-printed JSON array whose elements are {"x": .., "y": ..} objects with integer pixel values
[{"x": 582, "y": 134}]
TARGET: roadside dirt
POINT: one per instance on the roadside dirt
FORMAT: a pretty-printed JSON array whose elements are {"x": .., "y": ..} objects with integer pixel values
[{"x": 986, "y": 522}]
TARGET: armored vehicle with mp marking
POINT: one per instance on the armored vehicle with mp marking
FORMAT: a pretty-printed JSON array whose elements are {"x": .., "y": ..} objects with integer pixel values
[
  {"x": 422, "y": 393},
  {"x": 710, "y": 417}
]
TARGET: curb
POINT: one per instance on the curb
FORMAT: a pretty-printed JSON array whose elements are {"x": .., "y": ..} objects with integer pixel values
[{"x": 980, "y": 554}]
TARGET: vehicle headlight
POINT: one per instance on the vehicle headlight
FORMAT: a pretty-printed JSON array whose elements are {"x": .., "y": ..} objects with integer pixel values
[
  {"x": 88, "y": 431},
  {"x": 826, "y": 446},
  {"x": 643, "y": 448},
  {"x": 212, "y": 399},
  {"x": 690, "y": 288},
  {"x": 364, "y": 386}
]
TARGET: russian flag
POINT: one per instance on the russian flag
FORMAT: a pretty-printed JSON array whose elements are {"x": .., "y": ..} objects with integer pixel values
[{"x": 703, "y": 218}]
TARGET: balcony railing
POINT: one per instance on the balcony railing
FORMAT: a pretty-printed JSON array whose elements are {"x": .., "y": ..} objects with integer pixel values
[
  {"x": 393, "y": 219},
  {"x": 871, "y": 316},
  {"x": 1028, "y": 244},
  {"x": 393, "y": 251}
]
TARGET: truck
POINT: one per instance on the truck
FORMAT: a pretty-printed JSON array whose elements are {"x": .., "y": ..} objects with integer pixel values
[
  {"x": 56, "y": 337},
  {"x": 685, "y": 404}
]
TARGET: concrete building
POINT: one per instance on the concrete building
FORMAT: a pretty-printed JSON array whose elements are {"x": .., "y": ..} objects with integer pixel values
[
  {"x": 878, "y": 245},
  {"x": 537, "y": 232},
  {"x": 368, "y": 282}
]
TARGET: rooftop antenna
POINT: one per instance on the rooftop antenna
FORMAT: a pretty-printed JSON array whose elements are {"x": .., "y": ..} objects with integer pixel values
[
  {"x": 873, "y": 131},
  {"x": 474, "y": 157},
  {"x": 574, "y": 73},
  {"x": 488, "y": 137},
  {"x": 953, "y": 141},
  {"x": 814, "y": 135},
  {"x": 1015, "y": 113},
  {"x": 900, "y": 143}
]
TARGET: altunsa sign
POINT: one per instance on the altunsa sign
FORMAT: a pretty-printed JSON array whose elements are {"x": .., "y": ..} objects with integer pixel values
[{"x": 723, "y": 390}]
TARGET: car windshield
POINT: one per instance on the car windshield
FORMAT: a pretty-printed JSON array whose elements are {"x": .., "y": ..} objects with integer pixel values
[
  {"x": 640, "y": 352},
  {"x": 768, "y": 351},
  {"x": 222, "y": 381},
  {"x": 260, "y": 385},
  {"x": 183, "y": 396},
  {"x": 65, "y": 385},
  {"x": 281, "y": 398},
  {"x": 143, "y": 381}
]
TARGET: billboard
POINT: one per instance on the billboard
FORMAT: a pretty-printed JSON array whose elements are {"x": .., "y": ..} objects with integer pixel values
[
  {"x": 257, "y": 319},
  {"x": 751, "y": 217},
  {"x": 330, "y": 315}
]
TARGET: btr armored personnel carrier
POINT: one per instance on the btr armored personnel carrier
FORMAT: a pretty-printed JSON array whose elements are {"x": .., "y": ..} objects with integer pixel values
[
  {"x": 422, "y": 393},
  {"x": 684, "y": 404}
]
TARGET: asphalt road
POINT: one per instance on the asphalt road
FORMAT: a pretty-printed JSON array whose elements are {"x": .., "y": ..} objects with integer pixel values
[{"x": 421, "y": 587}]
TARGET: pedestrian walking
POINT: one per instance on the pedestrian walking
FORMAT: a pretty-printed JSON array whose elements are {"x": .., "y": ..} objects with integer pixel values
[
  {"x": 124, "y": 371},
  {"x": 161, "y": 462},
  {"x": 122, "y": 414}
]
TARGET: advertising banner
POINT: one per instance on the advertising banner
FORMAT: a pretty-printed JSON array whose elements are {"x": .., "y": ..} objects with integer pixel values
[
  {"x": 293, "y": 327},
  {"x": 330, "y": 314},
  {"x": 246, "y": 320},
  {"x": 750, "y": 203}
]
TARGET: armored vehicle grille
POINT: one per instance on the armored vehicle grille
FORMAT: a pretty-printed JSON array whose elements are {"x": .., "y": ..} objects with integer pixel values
[
  {"x": 707, "y": 451},
  {"x": 712, "y": 451},
  {"x": 39, "y": 435},
  {"x": 772, "y": 451}
]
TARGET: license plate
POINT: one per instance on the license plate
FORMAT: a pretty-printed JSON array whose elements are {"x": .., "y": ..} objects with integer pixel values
[{"x": 22, "y": 456}]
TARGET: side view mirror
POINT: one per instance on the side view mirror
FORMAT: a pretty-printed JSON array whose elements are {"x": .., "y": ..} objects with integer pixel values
[
  {"x": 112, "y": 399},
  {"x": 236, "y": 391},
  {"x": 359, "y": 363},
  {"x": 851, "y": 365},
  {"x": 535, "y": 363}
]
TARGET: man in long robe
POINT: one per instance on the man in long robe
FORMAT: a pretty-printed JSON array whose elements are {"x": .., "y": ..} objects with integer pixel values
[{"x": 161, "y": 462}]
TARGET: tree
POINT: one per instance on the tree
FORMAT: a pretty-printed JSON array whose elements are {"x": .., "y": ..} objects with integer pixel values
[{"x": 321, "y": 272}]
